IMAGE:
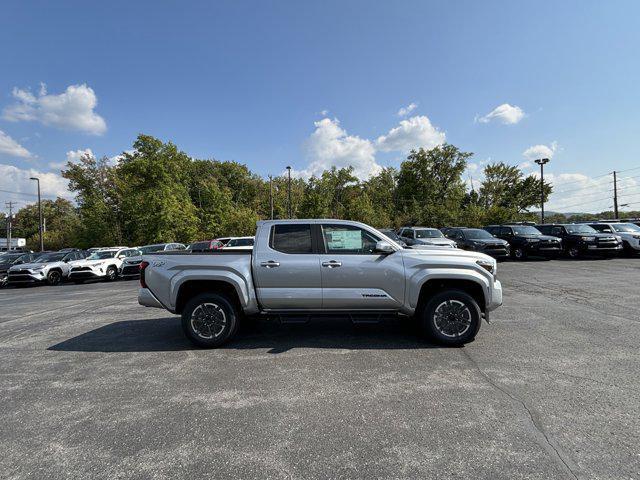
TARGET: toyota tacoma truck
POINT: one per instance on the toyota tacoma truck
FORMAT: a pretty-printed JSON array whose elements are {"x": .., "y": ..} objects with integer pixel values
[{"x": 304, "y": 268}]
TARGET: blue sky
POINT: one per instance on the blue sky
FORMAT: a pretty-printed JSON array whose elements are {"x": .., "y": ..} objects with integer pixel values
[{"x": 310, "y": 85}]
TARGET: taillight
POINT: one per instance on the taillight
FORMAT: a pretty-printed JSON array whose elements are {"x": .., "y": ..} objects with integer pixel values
[{"x": 143, "y": 266}]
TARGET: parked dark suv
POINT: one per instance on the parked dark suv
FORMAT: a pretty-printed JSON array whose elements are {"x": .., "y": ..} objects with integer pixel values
[
  {"x": 479, "y": 240},
  {"x": 579, "y": 239},
  {"x": 526, "y": 240}
]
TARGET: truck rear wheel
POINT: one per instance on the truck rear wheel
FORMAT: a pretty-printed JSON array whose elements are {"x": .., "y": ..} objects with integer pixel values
[
  {"x": 451, "y": 317},
  {"x": 210, "y": 320}
]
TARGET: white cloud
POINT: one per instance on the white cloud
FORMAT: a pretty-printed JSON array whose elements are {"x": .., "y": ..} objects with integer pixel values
[
  {"x": 71, "y": 110},
  {"x": 113, "y": 161},
  {"x": 540, "y": 151},
  {"x": 72, "y": 156},
  {"x": 324, "y": 113},
  {"x": 505, "y": 113},
  {"x": 330, "y": 145},
  {"x": 414, "y": 132},
  {"x": 578, "y": 192},
  {"x": 404, "y": 111},
  {"x": 9, "y": 146},
  {"x": 17, "y": 179}
]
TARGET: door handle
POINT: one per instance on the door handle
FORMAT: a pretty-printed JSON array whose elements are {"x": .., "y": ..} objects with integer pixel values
[
  {"x": 270, "y": 264},
  {"x": 332, "y": 264}
]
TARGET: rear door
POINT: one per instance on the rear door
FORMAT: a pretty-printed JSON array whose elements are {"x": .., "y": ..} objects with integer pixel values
[
  {"x": 287, "y": 270},
  {"x": 354, "y": 276}
]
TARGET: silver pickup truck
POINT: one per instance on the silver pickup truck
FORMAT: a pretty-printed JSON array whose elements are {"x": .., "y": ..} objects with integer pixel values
[{"x": 308, "y": 267}]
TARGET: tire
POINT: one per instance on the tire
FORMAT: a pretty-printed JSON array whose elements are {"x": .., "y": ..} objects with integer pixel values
[
  {"x": 465, "y": 326},
  {"x": 54, "y": 277},
  {"x": 518, "y": 253},
  {"x": 112, "y": 273},
  {"x": 219, "y": 325},
  {"x": 573, "y": 252}
]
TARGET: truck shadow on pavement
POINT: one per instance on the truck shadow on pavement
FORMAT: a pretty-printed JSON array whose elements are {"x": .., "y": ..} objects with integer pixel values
[{"x": 165, "y": 334}]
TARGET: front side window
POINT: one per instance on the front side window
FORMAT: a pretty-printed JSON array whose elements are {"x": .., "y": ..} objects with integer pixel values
[
  {"x": 291, "y": 238},
  {"x": 348, "y": 239},
  {"x": 505, "y": 231}
]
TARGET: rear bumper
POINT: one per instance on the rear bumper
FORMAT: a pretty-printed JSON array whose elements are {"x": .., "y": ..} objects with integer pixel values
[{"x": 147, "y": 299}]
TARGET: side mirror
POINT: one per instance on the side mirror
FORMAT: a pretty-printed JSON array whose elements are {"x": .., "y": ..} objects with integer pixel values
[
  {"x": 384, "y": 247},
  {"x": 121, "y": 256}
]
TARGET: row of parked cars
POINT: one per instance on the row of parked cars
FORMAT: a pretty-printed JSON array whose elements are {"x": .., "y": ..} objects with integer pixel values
[
  {"x": 521, "y": 240},
  {"x": 97, "y": 263}
]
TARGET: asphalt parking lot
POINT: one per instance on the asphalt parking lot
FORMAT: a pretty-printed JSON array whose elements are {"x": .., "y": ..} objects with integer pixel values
[{"x": 94, "y": 386}]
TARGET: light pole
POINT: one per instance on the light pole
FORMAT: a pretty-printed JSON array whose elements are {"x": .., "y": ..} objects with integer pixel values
[
  {"x": 541, "y": 162},
  {"x": 39, "y": 214},
  {"x": 289, "y": 192}
]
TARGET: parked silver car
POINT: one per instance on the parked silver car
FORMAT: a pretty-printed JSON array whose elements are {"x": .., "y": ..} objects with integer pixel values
[
  {"x": 51, "y": 268},
  {"x": 418, "y": 236}
]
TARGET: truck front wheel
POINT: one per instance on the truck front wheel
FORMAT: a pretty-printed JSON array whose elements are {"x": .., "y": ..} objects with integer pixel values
[
  {"x": 210, "y": 320},
  {"x": 451, "y": 317}
]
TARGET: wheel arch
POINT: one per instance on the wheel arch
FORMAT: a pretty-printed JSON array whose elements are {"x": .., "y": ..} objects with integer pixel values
[
  {"x": 436, "y": 285},
  {"x": 190, "y": 288}
]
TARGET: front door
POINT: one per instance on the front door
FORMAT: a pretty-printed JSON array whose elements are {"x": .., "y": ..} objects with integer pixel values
[
  {"x": 287, "y": 271},
  {"x": 354, "y": 276}
]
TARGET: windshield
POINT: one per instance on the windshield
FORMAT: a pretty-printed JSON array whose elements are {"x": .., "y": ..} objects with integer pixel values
[
  {"x": 391, "y": 234},
  {"x": 151, "y": 248},
  {"x": 580, "y": 229},
  {"x": 526, "y": 230},
  {"x": 626, "y": 227},
  {"x": 50, "y": 257},
  {"x": 429, "y": 233},
  {"x": 101, "y": 255},
  {"x": 477, "y": 234},
  {"x": 10, "y": 257}
]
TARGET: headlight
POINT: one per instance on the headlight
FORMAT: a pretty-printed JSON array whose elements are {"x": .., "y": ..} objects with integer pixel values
[
  {"x": 488, "y": 265},
  {"x": 588, "y": 239},
  {"x": 37, "y": 269}
]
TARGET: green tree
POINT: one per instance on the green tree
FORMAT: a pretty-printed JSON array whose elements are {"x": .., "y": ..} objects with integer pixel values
[
  {"x": 61, "y": 220},
  {"x": 154, "y": 191},
  {"x": 506, "y": 194},
  {"x": 430, "y": 189},
  {"x": 94, "y": 183}
]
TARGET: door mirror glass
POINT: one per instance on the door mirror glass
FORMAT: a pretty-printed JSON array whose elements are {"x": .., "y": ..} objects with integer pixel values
[{"x": 384, "y": 247}]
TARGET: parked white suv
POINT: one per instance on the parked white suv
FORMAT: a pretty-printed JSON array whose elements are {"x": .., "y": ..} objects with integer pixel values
[
  {"x": 628, "y": 232},
  {"x": 103, "y": 264}
]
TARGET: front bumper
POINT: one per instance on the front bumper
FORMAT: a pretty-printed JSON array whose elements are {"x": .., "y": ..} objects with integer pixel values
[
  {"x": 596, "y": 249},
  {"x": 85, "y": 274},
  {"x": 495, "y": 299},
  {"x": 147, "y": 299},
  {"x": 544, "y": 249},
  {"x": 25, "y": 277},
  {"x": 496, "y": 252},
  {"x": 130, "y": 270}
]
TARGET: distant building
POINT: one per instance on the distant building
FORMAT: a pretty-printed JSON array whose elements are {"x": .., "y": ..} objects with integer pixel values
[{"x": 16, "y": 243}]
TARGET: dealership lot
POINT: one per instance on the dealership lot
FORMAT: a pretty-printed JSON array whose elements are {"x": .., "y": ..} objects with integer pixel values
[{"x": 95, "y": 386}]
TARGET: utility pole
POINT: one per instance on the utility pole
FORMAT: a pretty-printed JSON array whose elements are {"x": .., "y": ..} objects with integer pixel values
[
  {"x": 271, "y": 195},
  {"x": 615, "y": 195},
  {"x": 9, "y": 224},
  {"x": 289, "y": 193},
  {"x": 39, "y": 214},
  {"x": 541, "y": 162}
]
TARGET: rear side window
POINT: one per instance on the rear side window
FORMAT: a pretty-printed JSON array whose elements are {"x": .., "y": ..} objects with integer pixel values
[{"x": 292, "y": 238}]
